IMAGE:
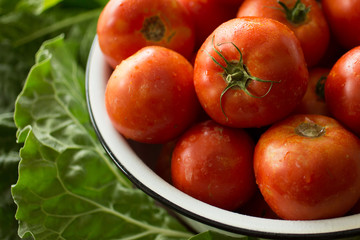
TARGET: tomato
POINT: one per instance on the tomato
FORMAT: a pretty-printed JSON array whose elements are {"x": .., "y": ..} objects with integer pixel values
[
  {"x": 308, "y": 167},
  {"x": 150, "y": 96},
  {"x": 304, "y": 17},
  {"x": 314, "y": 99},
  {"x": 342, "y": 90},
  {"x": 344, "y": 21},
  {"x": 125, "y": 26},
  {"x": 163, "y": 162},
  {"x": 213, "y": 163},
  {"x": 332, "y": 54},
  {"x": 207, "y": 15},
  {"x": 250, "y": 72},
  {"x": 355, "y": 209},
  {"x": 233, "y": 3},
  {"x": 257, "y": 207}
]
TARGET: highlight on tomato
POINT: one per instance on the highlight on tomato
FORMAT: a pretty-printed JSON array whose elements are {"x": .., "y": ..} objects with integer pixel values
[
  {"x": 214, "y": 163},
  {"x": 150, "y": 96},
  {"x": 342, "y": 90},
  {"x": 308, "y": 167},
  {"x": 304, "y": 17},
  {"x": 250, "y": 72},
  {"x": 125, "y": 26}
]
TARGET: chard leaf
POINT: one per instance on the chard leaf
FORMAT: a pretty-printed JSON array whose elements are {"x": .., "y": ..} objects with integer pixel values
[
  {"x": 9, "y": 159},
  {"x": 67, "y": 187},
  {"x": 37, "y": 6},
  {"x": 22, "y": 33}
]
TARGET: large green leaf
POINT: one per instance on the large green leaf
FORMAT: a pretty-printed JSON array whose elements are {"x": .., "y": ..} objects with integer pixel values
[
  {"x": 22, "y": 33},
  {"x": 9, "y": 159},
  {"x": 67, "y": 187}
]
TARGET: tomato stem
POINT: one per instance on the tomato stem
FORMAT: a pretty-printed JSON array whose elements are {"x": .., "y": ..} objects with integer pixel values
[
  {"x": 236, "y": 74},
  {"x": 297, "y": 14},
  {"x": 320, "y": 88},
  {"x": 310, "y": 130},
  {"x": 153, "y": 29}
]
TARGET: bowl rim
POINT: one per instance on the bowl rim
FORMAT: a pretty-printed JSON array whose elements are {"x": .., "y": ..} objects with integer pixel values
[{"x": 157, "y": 187}]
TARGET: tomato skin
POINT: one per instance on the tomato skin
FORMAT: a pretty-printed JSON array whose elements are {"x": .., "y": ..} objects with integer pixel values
[
  {"x": 163, "y": 162},
  {"x": 213, "y": 163},
  {"x": 233, "y": 3},
  {"x": 355, "y": 209},
  {"x": 258, "y": 207},
  {"x": 270, "y": 51},
  {"x": 342, "y": 90},
  {"x": 313, "y": 34},
  {"x": 344, "y": 21},
  {"x": 305, "y": 178},
  {"x": 121, "y": 28},
  {"x": 313, "y": 102},
  {"x": 150, "y": 96},
  {"x": 207, "y": 15}
]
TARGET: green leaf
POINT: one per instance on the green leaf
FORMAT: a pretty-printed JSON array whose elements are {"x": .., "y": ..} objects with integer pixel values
[
  {"x": 21, "y": 35},
  {"x": 68, "y": 188},
  {"x": 37, "y": 6},
  {"x": 9, "y": 159},
  {"x": 15, "y": 62}
]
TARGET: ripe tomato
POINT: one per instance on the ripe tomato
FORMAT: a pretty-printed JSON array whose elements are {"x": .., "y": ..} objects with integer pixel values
[
  {"x": 150, "y": 96},
  {"x": 125, "y": 26},
  {"x": 308, "y": 167},
  {"x": 234, "y": 3},
  {"x": 213, "y": 163},
  {"x": 207, "y": 15},
  {"x": 332, "y": 54},
  {"x": 257, "y": 207},
  {"x": 163, "y": 162},
  {"x": 304, "y": 17},
  {"x": 344, "y": 21},
  {"x": 314, "y": 99},
  {"x": 342, "y": 90},
  {"x": 355, "y": 209},
  {"x": 250, "y": 72}
]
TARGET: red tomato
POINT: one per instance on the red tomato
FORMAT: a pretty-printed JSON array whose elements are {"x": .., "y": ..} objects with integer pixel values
[
  {"x": 355, "y": 209},
  {"x": 344, "y": 20},
  {"x": 233, "y": 92},
  {"x": 163, "y": 163},
  {"x": 332, "y": 54},
  {"x": 207, "y": 15},
  {"x": 233, "y": 3},
  {"x": 213, "y": 163},
  {"x": 308, "y": 167},
  {"x": 314, "y": 99},
  {"x": 342, "y": 90},
  {"x": 125, "y": 26},
  {"x": 150, "y": 96},
  {"x": 304, "y": 17},
  {"x": 258, "y": 207}
]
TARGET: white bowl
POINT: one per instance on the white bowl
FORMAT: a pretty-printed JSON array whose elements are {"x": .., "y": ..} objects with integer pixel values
[{"x": 131, "y": 158}]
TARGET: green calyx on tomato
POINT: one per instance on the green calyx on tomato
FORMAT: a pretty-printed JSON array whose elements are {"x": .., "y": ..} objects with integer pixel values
[
  {"x": 310, "y": 130},
  {"x": 320, "y": 87},
  {"x": 236, "y": 74},
  {"x": 153, "y": 29},
  {"x": 297, "y": 14}
]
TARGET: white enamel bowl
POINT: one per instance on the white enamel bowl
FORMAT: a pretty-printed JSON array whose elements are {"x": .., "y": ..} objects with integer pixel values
[{"x": 131, "y": 158}]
